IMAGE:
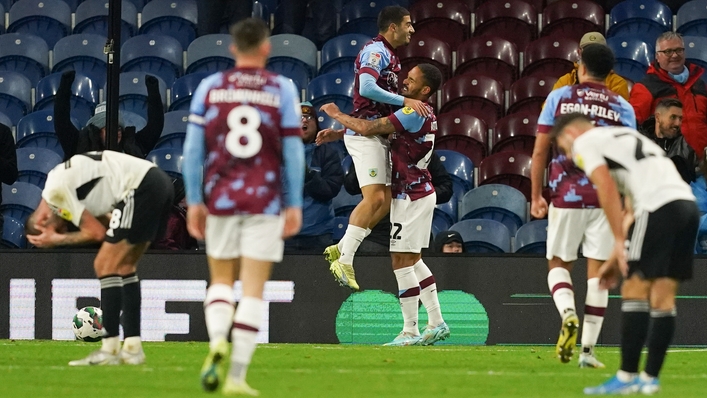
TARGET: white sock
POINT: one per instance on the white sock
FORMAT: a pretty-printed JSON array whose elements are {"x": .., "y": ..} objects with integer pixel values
[
  {"x": 409, "y": 296},
  {"x": 350, "y": 242},
  {"x": 218, "y": 312},
  {"x": 111, "y": 344},
  {"x": 246, "y": 324},
  {"x": 132, "y": 345},
  {"x": 560, "y": 284},
  {"x": 428, "y": 293},
  {"x": 624, "y": 376},
  {"x": 594, "y": 307}
]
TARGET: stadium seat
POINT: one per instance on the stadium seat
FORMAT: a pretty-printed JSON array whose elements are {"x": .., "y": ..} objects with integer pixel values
[
  {"x": 490, "y": 56},
  {"x": 83, "y": 99},
  {"x": 174, "y": 18},
  {"x": 154, "y": 54},
  {"x": 325, "y": 122},
  {"x": 478, "y": 95},
  {"x": 210, "y": 53},
  {"x": 498, "y": 202},
  {"x": 138, "y": 4},
  {"x": 82, "y": 52},
  {"x": 462, "y": 133},
  {"x": 484, "y": 236},
  {"x": 48, "y": 19},
  {"x": 572, "y": 19},
  {"x": 290, "y": 55},
  {"x": 515, "y": 132},
  {"x": 174, "y": 130},
  {"x": 344, "y": 203},
  {"x": 360, "y": 16},
  {"x": 696, "y": 50},
  {"x": 510, "y": 168},
  {"x": 692, "y": 18},
  {"x": 645, "y": 19},
  {"x": 532, "y": 238},
  {"x": 33, "y": 164},
  {"x": 550, "y": 56},
  {"x": 2, "y": 20},
  {"x": 633, "y": 56},
  {"x": 19, "y": 200},
  {"x": 425, "y": 49},
  {"x": 460, "y": 168},
  {"x": 15, "y": 94},
  {"x": 183, "y": 88},
  {"x": 13, "y": 233},
  {"x": 36, "y": 130},
  {"x": 5, "y": 120},
  {"x": 133, "y": 119},
  {"x": 133, "y": 93},
  {"x": 439, "y": 223},
  {"x": 332, "y": 87},
  {"x": 513, "y": 20},
  {"x": 529, "y": 93},
  {"x": 25, "y": 54},
  {"x": 92, "y": 17},
  {"x": 339, "y": 53},
  {"x": 168, "y": 160},
  {"x": 446, "y": 20},
  {"x": 448, "y": 211},
  {"x": 340, "y": 225}
]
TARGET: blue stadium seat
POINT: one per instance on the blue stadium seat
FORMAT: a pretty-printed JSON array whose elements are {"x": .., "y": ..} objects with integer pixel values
[
  {"x": 15, "y": 95},
  {"x": 138, "y": 4},
  {"x": 168, "y": 160},
  {"x": 154, "y": 54},
  {"x": 298, "y": 73},
  {"x": 82, "y": 52},
  {"x": 133, "y": 93},
  {"x": 440, "y": 223},
  {"x": 48, "y": 19},
  {"x": 174, "y": 130},
  {"x": 19, "y": 200},
  {"x": 175, "y": 18},
  {"x": 449, "y": 212},
  {"x": 692, "y": 18},
  {"x": 209, "y": 53},
  {"x": 696, "y": 50},
  {"x": 339, "y": 53},
  {"x": 360, "y": 16},
  {"x": 483, "y": 236},
  {"x": 37, "y": 130},
  {"x": 333, "y": 87},
  {"x": 2, "y": 20},
  {"x": 291, "y": 55},
  {"x": 633, "y": 55},
  {"x": 532, "y": 238},
  {"x": 72, "y": 4},
  {"x": 344, "y": 203},
  {"x": 497, "y": 202},
  {"x": 646, "y": 19},
  {"x": 33, "y": 164},
  {"x": 460, "y": 168},
  {"x": 13, "y": 233},
  {"x": 4, "y": 119},
  {"x": 183, "y": 88},
  {"x": 133, "y": 119},
  {"x": 340, "y": 225},
  {"x": 92, "y": 17},
  {"x": 701, "y": 241},
  {"x": 26, "y": 54},
  {"x": 83, "y": 100},
  {"x": 325, "y": 122}
]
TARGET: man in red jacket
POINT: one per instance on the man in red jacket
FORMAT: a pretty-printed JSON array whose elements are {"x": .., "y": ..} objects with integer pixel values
[{"x": 671, "y": 77}]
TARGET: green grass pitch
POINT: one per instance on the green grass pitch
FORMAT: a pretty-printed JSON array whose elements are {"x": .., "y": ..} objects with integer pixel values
[{"x": 39, "y": 369}]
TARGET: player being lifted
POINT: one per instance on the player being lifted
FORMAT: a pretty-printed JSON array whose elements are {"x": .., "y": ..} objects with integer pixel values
[
  {"x": 244, "y": 125},
  {"x": 413, "y": 202},
  {"x": 375, "y": 95}
]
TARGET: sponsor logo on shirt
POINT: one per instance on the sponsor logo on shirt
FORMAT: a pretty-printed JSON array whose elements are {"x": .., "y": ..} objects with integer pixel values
[
  {"x": 374, "y": 60},
  {"x": 407, "y": 110}
]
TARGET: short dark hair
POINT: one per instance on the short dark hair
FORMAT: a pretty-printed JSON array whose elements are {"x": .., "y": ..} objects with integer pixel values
[
  {"x": 432, "y": 76},
  {"x": 249, "y": 33},
  {"x": 565, "y": 120},
  {"x": 666, "y": 103},
  {"x": 598, "y": 59},
  {"x": 389, "y": 15}
]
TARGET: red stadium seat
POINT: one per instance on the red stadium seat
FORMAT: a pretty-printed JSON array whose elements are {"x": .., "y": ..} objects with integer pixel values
[
  {"x": 572, "y": 19},
  {"x": 463, "y": 133},
  {"x": 490, "y": 56},
  {"x": 478, "y": 95},
  {"x": 550, "y": 56},
  {"x": 538, "y": 4},
  {"x": 509, "y": 168},
  {"x": 513, "y": 20},
  {"x": 515, "y": 132},
  {"x": 529, "y": 93},
  {"x": 425, "y": 49},
  {"x": 447, "y": 20}
]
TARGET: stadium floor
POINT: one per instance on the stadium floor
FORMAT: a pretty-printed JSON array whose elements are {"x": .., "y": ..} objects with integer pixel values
[{"x": 39, "y": 369}]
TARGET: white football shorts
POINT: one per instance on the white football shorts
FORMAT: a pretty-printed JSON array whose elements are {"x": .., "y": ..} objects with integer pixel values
[
  {"x": 371, "y": 157},
  {"x": 411, "y": 223},
  {"x": 257, "y": 236},
  {"x": 568, "y": 228}
]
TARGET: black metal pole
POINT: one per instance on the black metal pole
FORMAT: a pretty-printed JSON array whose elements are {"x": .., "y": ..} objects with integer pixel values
[{"x": 112, "y": 50}]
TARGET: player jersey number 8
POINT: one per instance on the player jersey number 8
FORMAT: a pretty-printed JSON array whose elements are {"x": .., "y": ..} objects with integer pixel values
[{"x": 239, "y": 130}]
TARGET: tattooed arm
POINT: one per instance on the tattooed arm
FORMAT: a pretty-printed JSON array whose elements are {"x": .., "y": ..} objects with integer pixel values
[{"x": 364, "y": 127}]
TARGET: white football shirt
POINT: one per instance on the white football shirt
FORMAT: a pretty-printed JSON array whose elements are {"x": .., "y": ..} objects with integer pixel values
[
  {"x": 639, "y": 166},
  {"x": 93, "y": 181}
]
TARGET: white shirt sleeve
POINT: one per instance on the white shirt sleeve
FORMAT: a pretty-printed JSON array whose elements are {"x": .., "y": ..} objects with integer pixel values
[{"x": 65, "y": 204}]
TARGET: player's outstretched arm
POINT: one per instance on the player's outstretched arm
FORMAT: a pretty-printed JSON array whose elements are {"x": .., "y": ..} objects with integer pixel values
[
  {"x": 328, "y": 135},
  {"x": 360, "y": 126},
  {"x": 370, "y": 89}
]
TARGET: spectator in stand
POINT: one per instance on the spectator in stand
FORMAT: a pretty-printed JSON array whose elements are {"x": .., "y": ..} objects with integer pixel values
[
  {"x": 671, "y": 77},
  {"x": 93, "y": 136},
  {"x": 449, "y": 242},
  {"x": 8, "y": 162},
  {"x": 322, "y": 182},
  {"x": 664, "y": 129},
  {"x": 613, "y": 81},
  {"x": 176, "y": 236}
]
